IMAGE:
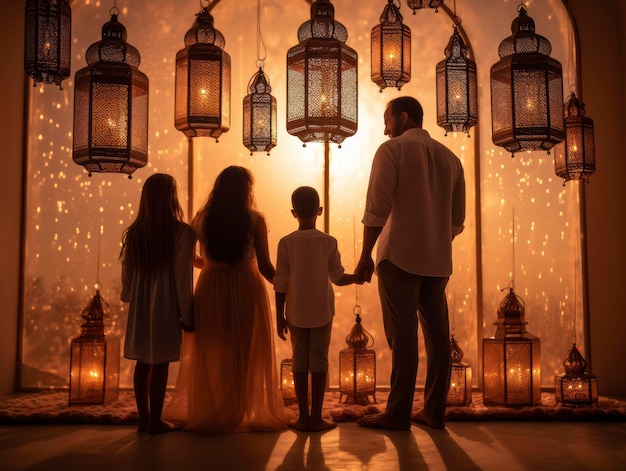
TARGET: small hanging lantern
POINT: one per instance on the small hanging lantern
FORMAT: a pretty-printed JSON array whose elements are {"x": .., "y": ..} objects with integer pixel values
[
  {"x": 47, "y": 41},
  {"x": 322, "y": 80},
  {"x": 259, "y": 115},
  {"x": 357, "y": 366},
  {"x": 511, "y": 359},
  {"x": 419, "y": 4},
  {"x": 391, "y": 49},
  {"x": 202, "y": 88},
  {"x": 460, "y": 390},
  {"x": 575, "y": 387},
  {"x": 526, "y": 91},
  {"x": 287, "y": 387},
  {"x": 457, "y": 90},
  {"x": 578, "y": 160},
  {"x": 95, "y": 360},
  {"x": 111, "y": 105}
]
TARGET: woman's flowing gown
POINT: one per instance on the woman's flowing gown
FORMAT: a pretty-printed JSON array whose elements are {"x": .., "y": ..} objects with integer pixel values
[{"x": 227, "y": 380}]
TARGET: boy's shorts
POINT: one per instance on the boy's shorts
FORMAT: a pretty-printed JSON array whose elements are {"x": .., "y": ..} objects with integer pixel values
[{"x": 310, "y": 348}]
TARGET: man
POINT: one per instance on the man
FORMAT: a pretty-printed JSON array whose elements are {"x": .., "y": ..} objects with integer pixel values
[{"x": 415, "y": 206}]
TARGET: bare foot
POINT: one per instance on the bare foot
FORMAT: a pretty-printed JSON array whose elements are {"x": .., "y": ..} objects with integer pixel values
[
  {"x": 321, "y": 424},
  {"x": 421, "y": 418},
  {"x": 162, "y": 427},
  {"x": 382, "y": 421},
  {"x": 301, "y": 425}
]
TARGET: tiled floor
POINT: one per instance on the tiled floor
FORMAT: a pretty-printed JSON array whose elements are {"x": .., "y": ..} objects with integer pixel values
[{"x": 499, "y": 445}]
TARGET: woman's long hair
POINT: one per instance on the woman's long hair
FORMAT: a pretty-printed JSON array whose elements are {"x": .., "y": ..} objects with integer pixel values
[
  {"x": 227, "y": 216},
  {"x": 148, "y": 243}
]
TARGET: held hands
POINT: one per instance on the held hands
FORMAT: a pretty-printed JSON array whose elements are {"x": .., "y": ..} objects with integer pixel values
[{"x": 364, "y": 269}]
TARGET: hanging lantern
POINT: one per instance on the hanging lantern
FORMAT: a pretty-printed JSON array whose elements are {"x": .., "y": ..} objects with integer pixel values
[
  {"x": 47, "y": 41},
  {"x": 95, "y": 360},
  {"x": 202, "y": 90},
  {"x": 578, "y": 160},
  {"x": 460, "y": 390},
  {"x": 391, "y": 49},
  {"x": 457, "y": 90},
  {"x": 322, "y": 80},
  {"x": 357, "y": 366},
  {"x": 526, "y": 91},
  {"x": 111, "y": 105},
  {"x": 575, "y": 387},
  {"x": 419, "y": 4},
  {"x": 511, "y": 359},
  {"x": 259, "y": 115},
  {"x": 287, "y": 387}
]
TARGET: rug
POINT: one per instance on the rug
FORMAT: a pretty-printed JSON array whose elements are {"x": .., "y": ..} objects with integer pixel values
[{"x": 51, "y": 407}]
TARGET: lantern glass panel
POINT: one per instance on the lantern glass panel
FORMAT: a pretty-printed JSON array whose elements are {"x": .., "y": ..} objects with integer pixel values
[
  {"x": 460, "y": 391},
  {"x": 287, "y": 387},
  {"x": 577, "y": 390},
  {"x": 94, "y": 370},
  {"x": 357, "y": 367}
]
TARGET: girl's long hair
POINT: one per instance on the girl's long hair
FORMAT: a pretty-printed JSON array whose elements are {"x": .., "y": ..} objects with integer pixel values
[
  {"x": 227, "y": 216},
  {"x": 148, "y": 243}
]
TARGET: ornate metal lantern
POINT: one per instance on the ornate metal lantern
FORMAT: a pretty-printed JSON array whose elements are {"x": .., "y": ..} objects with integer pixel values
[
  {"x": 391, "y": 49},
  {"x": 511, "y": 359},
  {"x": 47, "y": 40},
  {"x": 575, "y": 387},
  {"x": 111, "y": 105},
  {"x": 460, "y": 390},
  {"x": 419, "y": 4},
  {"x": 202, "y": 89},
  {"x": 357, "y": 366},
  {"x": 526, "y": 91},
  {"x": 578, "y": 160},
  {"x": 457, "y": 90},
  {"x": 322, "y": 77},
  {"x": 287, "y": 387},
  {"x": 95, "y": 360},
  {"x": 259, "y": 115}
]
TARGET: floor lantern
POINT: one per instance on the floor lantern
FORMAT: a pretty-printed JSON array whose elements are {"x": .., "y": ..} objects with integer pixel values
[
  {"x": 48, "y": 40},
  {"x": 526, "y": 91},
  {"x": 391, "y": 49},
  {"x": 357, "y": 366},
  {"x": 287, "y": 387},
  {"x": 95, "y": 360},
  {"x": 511, "y": 359},
  {"x": 202, "y": 84},
  {"x": 460, "y": 390},
  {"x": 111, "y": 105},
  {"x": 575, "y": 387}
]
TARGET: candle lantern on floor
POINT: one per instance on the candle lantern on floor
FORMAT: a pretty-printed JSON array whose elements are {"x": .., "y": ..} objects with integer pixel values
[
  {"x": 575, "y": 387},
  {"x": 460, "y": 391},
  {"x": 511, "y": 359},
  {"x": 287, "y": 387},
  {"x": 357, "y": 366},
  {"x": 95, "y": 360}
]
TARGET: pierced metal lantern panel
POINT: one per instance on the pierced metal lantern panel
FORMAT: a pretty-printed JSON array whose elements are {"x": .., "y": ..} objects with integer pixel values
[
  {"x": 47, "y": 41},
  {"x": 457, "y": 90},
  {"x": 460, "y": 390},
  {"x": 287, "y": 386},
  {"x": 357, "y": 366},
  {"x": 578, "y": 159},
  {"x": 322, "y": 77},
  {"x": 111, "y": 106},
  {"x": 526, "y": 91},
  {"x": 391, "y": 50},
  {"x": 259, "y": 115},
  {"x": 202, "y": 84},
  {"x": 419, "y": 4}
]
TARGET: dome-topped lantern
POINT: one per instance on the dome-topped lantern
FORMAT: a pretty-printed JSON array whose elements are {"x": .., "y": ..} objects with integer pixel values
[
  {"x": 111, "y": 105},
  {"x": 419, "y": 4},
  {"x": 526, "y": 91},
  {"x": 391, "y": 49},
  {"x": 259, "y": 115},
  {"x": 202, "y": 86},
  {"x": 575, "y": 387},
  {"x": 322, "y": 77}
]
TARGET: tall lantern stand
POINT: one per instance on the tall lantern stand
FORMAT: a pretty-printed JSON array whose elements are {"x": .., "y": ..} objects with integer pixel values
[
  {"x": 575, "y": 387},
  {"x": 202, "y": 85},
  {"x": 526, "y": 91},
  {"x": 48, "y": 41},
  {"x": 259, "y": 115},
  {"x": 511, "y": 359},
  {"x": 457, "y": 90},
  {"x": 578, "y": 159},
  {"x": 357, "y": 366},
  {"x": 460, "y": 390},
  {"x": 111, "y": 105},
  {"x": 95, "y": 360},
  {"x": 322, "y": 80},
  {"x": 391, "y": 49}
]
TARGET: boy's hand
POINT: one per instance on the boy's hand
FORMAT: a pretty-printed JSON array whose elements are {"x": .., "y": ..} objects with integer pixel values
[{"x": 282, "y": 328}]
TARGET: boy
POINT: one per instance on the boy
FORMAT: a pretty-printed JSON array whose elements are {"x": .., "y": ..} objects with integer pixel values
[{"x": 308, "y": 260}]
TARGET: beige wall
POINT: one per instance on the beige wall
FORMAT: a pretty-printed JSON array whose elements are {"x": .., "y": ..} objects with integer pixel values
[{"x": 602, "y": 54}]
